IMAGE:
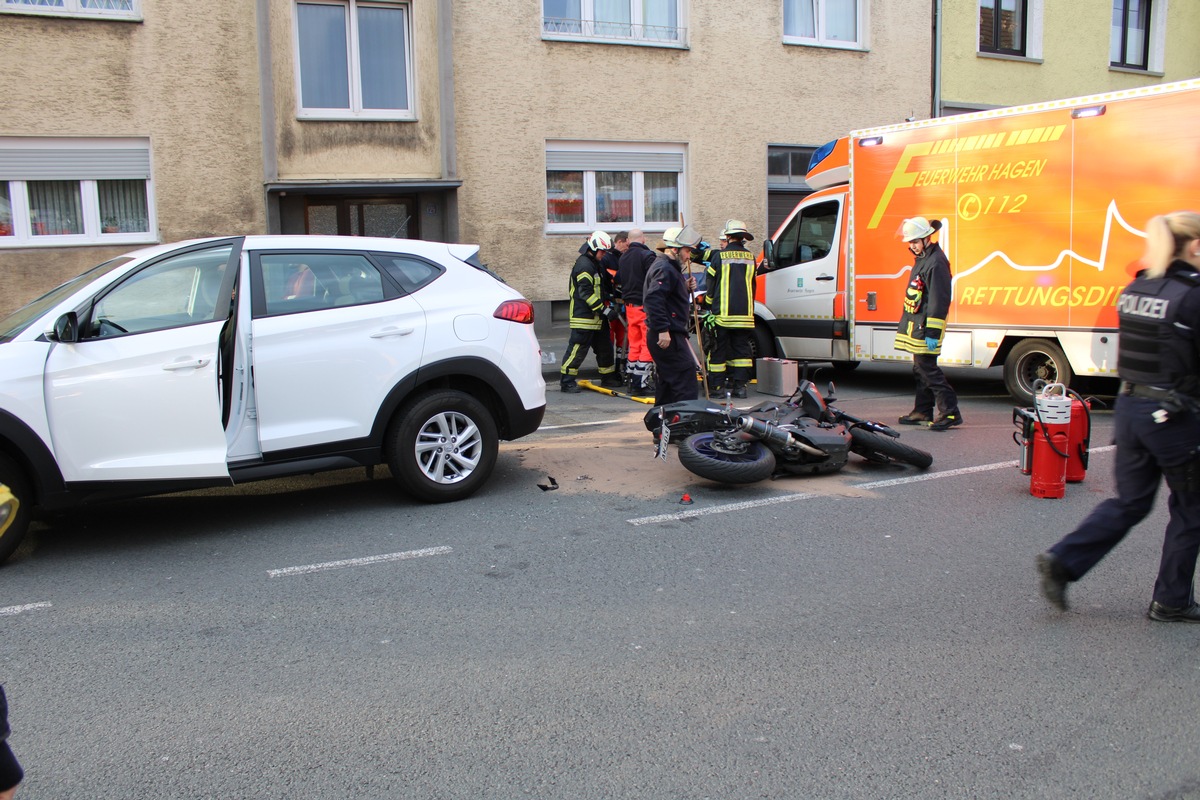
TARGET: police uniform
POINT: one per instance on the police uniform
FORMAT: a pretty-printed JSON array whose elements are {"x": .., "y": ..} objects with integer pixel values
[
  {"x": 729, "y": 297},
  {"x": 1158, "y": 435},
  {"x": 589, "y": 328}
]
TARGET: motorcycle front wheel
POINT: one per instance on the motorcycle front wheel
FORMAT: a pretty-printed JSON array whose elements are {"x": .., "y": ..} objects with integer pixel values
[
  {"x": 698, "y": 456},
  {"x": 884, "y": 449}
]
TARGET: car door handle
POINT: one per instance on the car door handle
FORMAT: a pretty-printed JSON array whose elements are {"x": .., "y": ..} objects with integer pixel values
[
  {"x": 191, "y": 363},
  {"x": 386, "y": 332},
  {"x": 824, "y": 277}
]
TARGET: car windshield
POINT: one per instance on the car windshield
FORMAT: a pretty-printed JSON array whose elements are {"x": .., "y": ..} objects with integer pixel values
[{"x": 20, "y": 319}]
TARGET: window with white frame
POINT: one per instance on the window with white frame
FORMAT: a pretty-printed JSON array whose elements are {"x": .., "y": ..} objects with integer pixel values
[
  {"x": 61, "y": 192},
  {"x": 107, "y": 9},
  {"x": 593, "y": 185},
  {"x": 354, "y": 59},
  {"x": 826, "y": 23},
  {"x": 652, "y": 22}
]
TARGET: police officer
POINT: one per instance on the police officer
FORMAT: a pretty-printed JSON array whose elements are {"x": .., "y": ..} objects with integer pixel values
[
  {"x": 729, "y": 298},
  {"x": 667, "y": 298},
  {"x": 923, "y": 325},
  {"x": 589, "y": 317},
  {"x": 1157, "y": 425}
]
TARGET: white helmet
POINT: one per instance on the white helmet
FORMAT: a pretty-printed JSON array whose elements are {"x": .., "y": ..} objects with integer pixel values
[
  {"x": 680, "y": 237},
  {"x": 733, "y": 226},
  {"x": 918, "y": 228},
  {"x": 599, "y": 240}
]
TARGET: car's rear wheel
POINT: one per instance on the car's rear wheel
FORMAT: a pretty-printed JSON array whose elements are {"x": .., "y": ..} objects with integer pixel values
[
  {"x": 442, "y": 446},
  {"x": 16, "y": 523}
]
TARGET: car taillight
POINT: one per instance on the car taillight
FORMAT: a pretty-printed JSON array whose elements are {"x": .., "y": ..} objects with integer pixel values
[{"x": 515, "y": 311}]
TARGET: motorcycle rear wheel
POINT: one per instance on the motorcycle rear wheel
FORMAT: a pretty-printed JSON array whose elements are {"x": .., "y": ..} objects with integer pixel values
[
  {"x": 884, "y": 449},
  {"x": 697, "y": 455}
]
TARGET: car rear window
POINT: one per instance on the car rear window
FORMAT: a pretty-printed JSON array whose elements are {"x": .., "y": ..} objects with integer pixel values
[{"x": 410, "y": 272}]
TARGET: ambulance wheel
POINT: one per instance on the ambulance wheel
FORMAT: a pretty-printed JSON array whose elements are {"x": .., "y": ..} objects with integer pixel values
[
  {"x": 1034, "y": 360},
  {"x": 762, "y": 345}
]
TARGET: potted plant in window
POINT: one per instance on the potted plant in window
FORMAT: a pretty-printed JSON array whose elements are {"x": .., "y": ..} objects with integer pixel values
[{"x": 110, "y": 225}]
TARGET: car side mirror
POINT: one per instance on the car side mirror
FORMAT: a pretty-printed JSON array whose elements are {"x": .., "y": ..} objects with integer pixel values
[
  {"x": 768, "y": 254},
  {"x": 66, "y": 328}
]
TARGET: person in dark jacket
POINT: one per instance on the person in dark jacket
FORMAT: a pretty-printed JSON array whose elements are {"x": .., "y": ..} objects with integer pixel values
[
  {"x": 635, "y": 263},
  {"x": 589, "y": 317},
  {"x": 1157, "y": 422},
  {"x": 923, "y": 326},
  {"x": 618, "y": 329},
  {"x": 667, "y": 297},
  {"x": 10, "y": 770},
  {"x": 729, "y": 298}
]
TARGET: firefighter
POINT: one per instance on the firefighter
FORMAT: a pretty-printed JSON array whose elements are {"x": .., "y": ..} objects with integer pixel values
[
  {"x": 589, "y": 317},
  {"x": 729, "y": 299},
  {"x": 635, "y": 263},
  {"x": 667, "y": 302},
  {"x": 1157, "y": 422},
  {"x": 923, "y": 325}
]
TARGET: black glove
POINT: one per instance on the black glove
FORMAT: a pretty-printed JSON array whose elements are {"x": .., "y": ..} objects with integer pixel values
[{"x": 609, "y": 313}]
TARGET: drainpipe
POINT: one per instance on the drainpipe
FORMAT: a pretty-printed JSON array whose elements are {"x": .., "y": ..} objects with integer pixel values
[
  {"x": 936, "y": 71},
  {"x": 266, "y": 102},
  {"x": 445, "y": 39}
]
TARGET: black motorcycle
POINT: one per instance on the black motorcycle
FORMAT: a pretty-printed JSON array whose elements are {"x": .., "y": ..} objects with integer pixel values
[{"x": 803, "y": 435}]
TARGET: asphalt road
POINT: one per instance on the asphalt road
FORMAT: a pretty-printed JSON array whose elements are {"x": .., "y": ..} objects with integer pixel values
[{"x": 876, "y": 633}]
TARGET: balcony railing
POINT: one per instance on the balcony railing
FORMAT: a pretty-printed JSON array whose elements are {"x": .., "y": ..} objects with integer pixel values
[{"x": 613, "y": 31}]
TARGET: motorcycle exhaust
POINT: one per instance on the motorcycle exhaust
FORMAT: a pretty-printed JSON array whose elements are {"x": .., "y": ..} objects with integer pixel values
[{"x": 776, "y": 436}]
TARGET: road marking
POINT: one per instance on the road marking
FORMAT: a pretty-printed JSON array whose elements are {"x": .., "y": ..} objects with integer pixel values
[
  {"x": 9, "y": 611},
  {"x": 359, "y": 562},
  {"x": 791, "y": 498},
  {"x": 577, "y": 425}
]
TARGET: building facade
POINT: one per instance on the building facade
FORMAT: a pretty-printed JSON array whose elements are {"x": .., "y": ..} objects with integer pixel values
[
  {"x": 520, "y": 125},
  {"x": 996, "y": 53}
]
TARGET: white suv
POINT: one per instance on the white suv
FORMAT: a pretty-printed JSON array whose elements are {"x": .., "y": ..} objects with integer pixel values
[{"x": 221, "y": 361}]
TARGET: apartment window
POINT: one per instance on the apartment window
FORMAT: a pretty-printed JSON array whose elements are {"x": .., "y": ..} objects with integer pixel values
[
  {"x": 74, "y": 192},
  {"x": 111, "y": 9},
  {"x": 828, "y": 23},
  {"x": 355, "y": 60},
  {"x": 653, "y": 22},
  {"x": 1130, "y": 43},
  {"x": 1002, "y": 25},
  {"x": 591, "y": 186}
]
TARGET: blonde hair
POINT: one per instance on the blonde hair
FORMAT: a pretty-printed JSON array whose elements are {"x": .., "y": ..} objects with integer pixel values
[{"x": 1166, "y": 237}]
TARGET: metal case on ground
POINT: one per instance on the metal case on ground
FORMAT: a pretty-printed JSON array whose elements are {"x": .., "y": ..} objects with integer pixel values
[{"x": 777, "y": 376}]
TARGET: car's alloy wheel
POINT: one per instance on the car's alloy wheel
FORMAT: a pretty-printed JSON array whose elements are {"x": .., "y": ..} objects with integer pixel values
[{"x": 443, "y": 446}]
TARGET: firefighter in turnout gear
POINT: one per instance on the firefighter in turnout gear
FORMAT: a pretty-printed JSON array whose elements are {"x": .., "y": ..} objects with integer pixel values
[
  {"x": 729, "y": 299},
  {"x": 1157, "y": 421},
  {"x": 923, "y": 325},
  {"x": 589, "y": 317}
]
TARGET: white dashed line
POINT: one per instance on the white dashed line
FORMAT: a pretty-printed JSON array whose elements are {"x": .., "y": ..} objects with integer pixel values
[
  {"x": 9, "y": 611},
  {"x": 358, "y": 562},
  {"x": 578, "y": 425},
  {"x": 791, "y": 498}
]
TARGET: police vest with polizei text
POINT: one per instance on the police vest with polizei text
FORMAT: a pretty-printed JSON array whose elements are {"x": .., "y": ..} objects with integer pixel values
[{"x": 1156, "y": 348}]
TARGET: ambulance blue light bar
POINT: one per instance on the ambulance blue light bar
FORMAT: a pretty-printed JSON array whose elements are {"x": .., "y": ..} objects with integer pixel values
[{"x": 821, "y": 153}]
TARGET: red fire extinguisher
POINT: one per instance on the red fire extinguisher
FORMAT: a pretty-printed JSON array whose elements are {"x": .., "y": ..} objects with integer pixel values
[
  {"x": 1051, "y": 442},
  {"x": 1080, "y": 438}
]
